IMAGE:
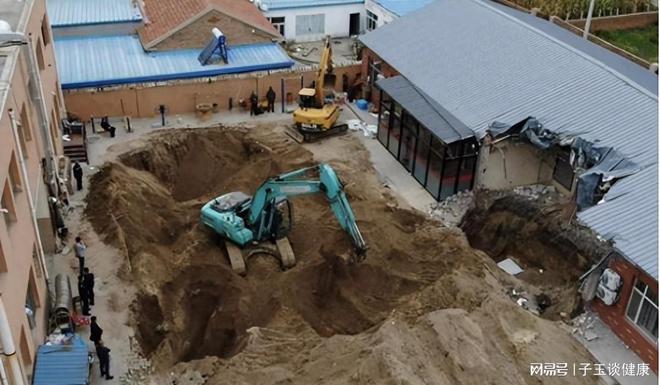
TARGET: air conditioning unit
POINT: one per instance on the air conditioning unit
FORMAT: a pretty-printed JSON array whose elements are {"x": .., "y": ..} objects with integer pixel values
[
  {"x": 610, "y": 279},
  {"x": 609, "y": 286}
]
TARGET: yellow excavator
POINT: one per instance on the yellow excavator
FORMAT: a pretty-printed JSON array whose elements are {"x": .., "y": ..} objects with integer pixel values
[{"x": 317, "y": 115}]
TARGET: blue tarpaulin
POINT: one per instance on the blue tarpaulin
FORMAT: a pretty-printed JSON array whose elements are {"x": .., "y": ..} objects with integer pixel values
[{"x": 66, "y": 364}]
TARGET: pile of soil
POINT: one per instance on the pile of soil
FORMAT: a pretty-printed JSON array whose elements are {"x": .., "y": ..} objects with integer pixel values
[{"x": 424, "y": 307}]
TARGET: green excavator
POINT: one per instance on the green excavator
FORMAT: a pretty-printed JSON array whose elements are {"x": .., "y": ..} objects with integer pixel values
[{"x": 247, "y": 222}]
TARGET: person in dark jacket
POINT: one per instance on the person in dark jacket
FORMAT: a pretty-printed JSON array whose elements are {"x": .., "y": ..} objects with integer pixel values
[
  {"x": 270, "y": 96},
  {"x": 88, "y": 285},
  {"x": 84, "y": 299},
  {"x": 78, "y": 174},
  {"x": 254, "y": 104},
  {"x": 103, "y": 353},
  {"x": 95, "y": 331}
]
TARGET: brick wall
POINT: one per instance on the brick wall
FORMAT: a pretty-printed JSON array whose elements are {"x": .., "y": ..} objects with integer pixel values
[
  {"x": 615, "y": 316},
  {"x": 183, "y": 96},
  {"x": 371, "y": 93},
  {"x": 613, "y": 23},
  {"x": 198, "y": 33}
]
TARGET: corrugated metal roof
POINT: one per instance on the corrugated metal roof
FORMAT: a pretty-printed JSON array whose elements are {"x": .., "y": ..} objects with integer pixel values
[
  {"x": 96, "y": 61},
  {"x": 403, "y": 7},
  {"x": 283, "y": 4},
  {"x": 429, "y": 113},
  {"x": 62, "y": 364},
  {"x": 70, "y": 13},
  {"x": 506, "y": 67}
]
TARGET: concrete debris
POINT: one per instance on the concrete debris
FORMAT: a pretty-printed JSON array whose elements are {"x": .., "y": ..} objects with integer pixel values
[
  {"x": 583, "y": 326},
  {"x": 369, "y": 130},
  {"x": 452, "y": 210},
  {"x": 535, "y": 191}
]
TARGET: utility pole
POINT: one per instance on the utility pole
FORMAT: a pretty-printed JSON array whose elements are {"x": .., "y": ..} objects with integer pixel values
[{"x": 587, "y": 25}]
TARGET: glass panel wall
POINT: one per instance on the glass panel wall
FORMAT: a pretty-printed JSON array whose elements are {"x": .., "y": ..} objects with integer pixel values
[
  {"x": 442, "y": 169},
  {"x": 421, "y": 156},
  {"x": 408, "y": 141},
  {"x": 384, "y": 118},
  {"x": 395, "y": 133}
]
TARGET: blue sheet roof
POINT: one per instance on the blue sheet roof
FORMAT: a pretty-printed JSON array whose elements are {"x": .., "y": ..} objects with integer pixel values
[
  {"x": 96, "y": 61},
  {"x": 403, "y": 7},
  {"x": 71, "y": 13},
  {"x": 62, "y": 364},
  {"x": 284, "y": 4}
]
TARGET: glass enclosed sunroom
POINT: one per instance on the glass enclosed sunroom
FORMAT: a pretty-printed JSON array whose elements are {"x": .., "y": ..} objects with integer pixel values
[{"x": 434, "y": 146}]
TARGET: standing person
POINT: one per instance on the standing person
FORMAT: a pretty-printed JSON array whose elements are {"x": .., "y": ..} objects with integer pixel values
[
  {"x": 254, "y": 101},
  {"x": 95, "y": 331},
  {"x": 84, "y": 298},
  {"x": 270, "y": 96},
  {"x": 103, "y": 353},
  {"x": 80, "y": 249},
  {"x": 78, "y": 174},
  {"x": 88, "y": 283}
]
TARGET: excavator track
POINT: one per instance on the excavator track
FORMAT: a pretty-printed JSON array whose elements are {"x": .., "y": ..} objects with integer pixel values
[
  {"x": 305, "y": 136},
  {"x": 235, "y": 258},
  {"x": 287, "y": 257}
]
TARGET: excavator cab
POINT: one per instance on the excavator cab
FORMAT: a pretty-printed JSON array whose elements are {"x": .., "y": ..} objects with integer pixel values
[{"x": 307, "y": 98}]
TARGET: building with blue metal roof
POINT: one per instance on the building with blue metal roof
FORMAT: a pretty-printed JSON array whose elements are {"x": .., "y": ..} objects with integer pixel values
[
  {"x": 66, "y": 364},
  {"x": 99, "y": 61},
  {"x": 73, "y": 13},
  {"x": 484, "y": 62}
]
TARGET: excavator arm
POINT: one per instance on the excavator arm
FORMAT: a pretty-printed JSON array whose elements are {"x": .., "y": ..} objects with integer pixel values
[{"x": 296, "y": 183}]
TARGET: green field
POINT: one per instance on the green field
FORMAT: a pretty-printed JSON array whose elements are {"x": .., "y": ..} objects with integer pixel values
[{"x": 642, "y": 42}]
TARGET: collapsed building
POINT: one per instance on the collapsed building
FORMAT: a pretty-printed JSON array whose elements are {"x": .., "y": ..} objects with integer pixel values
[{"x": 516, "y": 100}]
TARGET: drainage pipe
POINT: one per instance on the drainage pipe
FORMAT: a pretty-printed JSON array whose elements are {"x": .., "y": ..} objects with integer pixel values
[{"x": 8, "y": 348}]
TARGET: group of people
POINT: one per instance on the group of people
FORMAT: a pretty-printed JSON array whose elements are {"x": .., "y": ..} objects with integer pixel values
[
  {"x": 254, "y": 102},
  {"x": 86, "y": 293}
]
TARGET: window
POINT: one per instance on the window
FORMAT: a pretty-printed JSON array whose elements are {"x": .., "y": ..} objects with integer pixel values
[
  {"x": 372, "y": 21},
  {"x": 8, "y": 210},
  {"x": 25, "y": 123},
  {"x": 14, "y": 175},
  {"x": 36, "y": 261},
  {"x": 31, "y": 303},
  {"x": 375, "y": 73},
  {"x": 278, "y": 23},
  {"x": 310, "y": 25},
  {"x": 421, "y": 157},
  {"x": 40, "y": 55},
  {"x": 563, "y": 172},
  {"x": 643, "y": 308},
  {"x": 45, "y": 31}
]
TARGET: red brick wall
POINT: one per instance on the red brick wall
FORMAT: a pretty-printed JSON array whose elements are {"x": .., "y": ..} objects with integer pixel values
[
  {"x": 615, "y": 316},
  {"x": 368, "y": 56},
  {"x": 198, "y": 33},
  {"x": 614, "y": 23}
]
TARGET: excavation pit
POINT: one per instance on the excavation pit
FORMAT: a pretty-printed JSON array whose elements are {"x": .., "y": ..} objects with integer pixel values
[{"x": 192, "y": 304}]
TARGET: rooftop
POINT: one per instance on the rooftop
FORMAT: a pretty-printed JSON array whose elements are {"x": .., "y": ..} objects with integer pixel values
[
  {"x": 71, "y": 13},
  {"x": 62, "y": 364},
  {"x": 167, "y": 16},
  {"x": 13, "y": 12},
  {"x": 284, "y": 4},
  {"x": 96, "y": 61},
  {"x": 402, "y": 7},
  {"x": 573, "y": 87},
  {"x": 429, "y": 113}
]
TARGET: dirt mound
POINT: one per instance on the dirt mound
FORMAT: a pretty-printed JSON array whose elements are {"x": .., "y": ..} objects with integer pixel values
[{"x": 315, "y": 323}]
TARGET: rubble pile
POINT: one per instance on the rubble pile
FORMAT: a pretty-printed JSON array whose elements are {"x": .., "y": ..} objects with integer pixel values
[{"x": 452, "y": 210}]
